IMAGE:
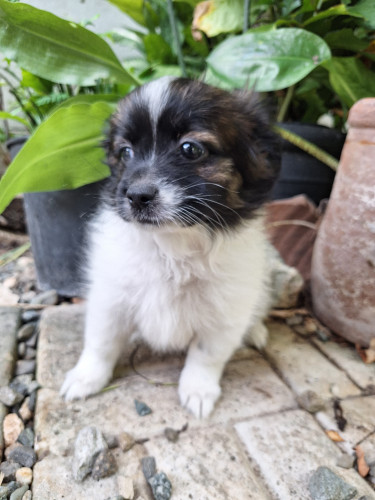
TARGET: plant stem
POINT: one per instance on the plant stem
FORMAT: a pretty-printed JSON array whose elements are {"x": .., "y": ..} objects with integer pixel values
[
  {"x": 246, "y": 14},
  {"x": 285, "y": 104},
  {"x": 308, "y": 147},
  {"x": 18, "y": 99},
  {"x": 173, "y": 23}
]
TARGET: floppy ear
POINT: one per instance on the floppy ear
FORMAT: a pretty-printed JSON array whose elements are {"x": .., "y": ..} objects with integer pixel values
[{"x": 261, "y": 146}]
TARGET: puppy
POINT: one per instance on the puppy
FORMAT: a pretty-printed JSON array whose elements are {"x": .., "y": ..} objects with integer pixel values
[{"x": 177, "y": 249}]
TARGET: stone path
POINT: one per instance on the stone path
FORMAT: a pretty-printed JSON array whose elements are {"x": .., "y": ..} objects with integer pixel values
[{"x": 258, "y": 444}]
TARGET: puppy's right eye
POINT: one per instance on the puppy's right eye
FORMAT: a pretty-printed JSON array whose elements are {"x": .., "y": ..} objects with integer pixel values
[{"x": 127, "y": 152}]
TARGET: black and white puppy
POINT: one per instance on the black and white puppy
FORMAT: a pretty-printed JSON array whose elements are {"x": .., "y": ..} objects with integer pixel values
[{"x": 177, "y": 255}]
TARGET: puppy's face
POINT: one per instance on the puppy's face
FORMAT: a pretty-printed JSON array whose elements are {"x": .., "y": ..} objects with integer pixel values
[{"x": 183, "y": 153}]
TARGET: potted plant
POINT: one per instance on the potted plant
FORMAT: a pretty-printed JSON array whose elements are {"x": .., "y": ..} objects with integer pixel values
[{"x": 297, "y": 53}]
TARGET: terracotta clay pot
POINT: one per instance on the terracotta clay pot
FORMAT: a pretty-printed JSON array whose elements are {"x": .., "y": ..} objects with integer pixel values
[{"x": 343, "y": 264}]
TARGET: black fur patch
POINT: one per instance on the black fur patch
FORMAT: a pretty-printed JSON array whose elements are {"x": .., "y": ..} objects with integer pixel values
[{"x": 227, "y": 184}]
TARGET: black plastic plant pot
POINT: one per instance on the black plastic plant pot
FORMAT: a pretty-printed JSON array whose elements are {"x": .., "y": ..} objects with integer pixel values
[
  {"x": 301, "y": 173},
  {"x": 56, "y": 223}
]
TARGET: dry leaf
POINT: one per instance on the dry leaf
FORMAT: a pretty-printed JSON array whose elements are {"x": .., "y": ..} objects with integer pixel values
[
  {"x": 334, "y": 436},
  {"x": 367, "y": 355},
  {"x": 363, "y": 468}
]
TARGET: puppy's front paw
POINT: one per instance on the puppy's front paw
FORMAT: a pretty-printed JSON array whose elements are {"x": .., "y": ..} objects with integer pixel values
[
  {"x": 198, "y": 395},
  {"x": 85, "y": 379}
]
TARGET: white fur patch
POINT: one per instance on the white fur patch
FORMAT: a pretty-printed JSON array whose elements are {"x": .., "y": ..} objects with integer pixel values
[{"x": 172, "y": 287}]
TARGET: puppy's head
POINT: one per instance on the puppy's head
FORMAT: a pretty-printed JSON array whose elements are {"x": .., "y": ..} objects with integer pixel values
[{"x": 182, "y": 153}]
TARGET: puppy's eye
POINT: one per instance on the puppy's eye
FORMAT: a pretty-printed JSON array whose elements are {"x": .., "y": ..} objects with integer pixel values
[
  {"x": 192, "y": 151},
  {"x": 127, "y": 152}
]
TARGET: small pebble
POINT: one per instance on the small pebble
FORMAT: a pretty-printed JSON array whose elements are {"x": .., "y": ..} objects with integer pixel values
[
  {"x": 8, "y": 450},
  {"x": 30, "y": 353},
  {"x": 126, "y": 487},
  {"x": 24, "y": 475},
  {"x": 311, "y": 401},
  {"x": 49, "y": 298},
  {"x": 26, "y": 437},
  {"x": 26, "y": 331},
  {"x": 32, "y": 341},
  {"x": 125, "y": 441},
  {"x": 161, "y": 486},
  {"x": 28, "y": 495},
  {"x": 24, "y": 384},
  {"x": 32, "y": 401},
  {"x": 310, "y": 325},
  {"x": 9, "y": 470},
  {"x": 104, "y": 465},
  {"x": 25, "y": 413},
  {"x": 171, "y": 434},
  {"x": 141, "y": 408},
  {"x": 111, "y": 441},
  {"x": 118, "y": 497},
  {"x": 89, "y": 443},
  {"x": 30, "y": 315},
  {"x": 8, "y": 489},
  {"x": 19, "y": 493},
  {"x": 9, "y": 396},
  {"x": 345, "y": 461},
  {"x": 148, "y": 467},
  {"x": 21, "y": 349},
  {"x": 12, "y": 427},
  {"x": 25, "y": 366},
  {"x": 24, "y": 455},
  {"x": 324, "y": 484}
]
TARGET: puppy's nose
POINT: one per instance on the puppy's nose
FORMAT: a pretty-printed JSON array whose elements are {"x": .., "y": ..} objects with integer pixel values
[{"x": 141, "y": 195}]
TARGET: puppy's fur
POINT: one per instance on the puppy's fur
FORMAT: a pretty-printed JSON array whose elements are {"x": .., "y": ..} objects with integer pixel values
[{"x": 177, "y": 248}]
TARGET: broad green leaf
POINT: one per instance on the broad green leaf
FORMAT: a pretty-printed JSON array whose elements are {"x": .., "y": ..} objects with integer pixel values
[
  {"x": 133, "y": 8},
  {"x": 63, "y": 153},
  {"x": 350, "y": 79},
  {"x": 219, "y": 16},
  {"x": 268, "y": 61},
  {"x": 55, "y": 49},
  {"x": 366, "y": 9},
  {"x": 8, "y": 116}
]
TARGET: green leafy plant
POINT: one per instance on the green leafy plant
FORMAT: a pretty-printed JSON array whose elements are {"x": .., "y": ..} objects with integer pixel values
[{"x": 312, "y": 57}]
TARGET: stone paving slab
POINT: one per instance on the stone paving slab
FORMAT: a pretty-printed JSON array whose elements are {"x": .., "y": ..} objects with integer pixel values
[
  {"x": 257, "y": 444},
  {"x": 347, "y": 358},
  {"x": 287, "y": 448},
  {"x": 304, "y": 367},
  {"x": 10, "y": 318},
  {"x": 211, "y": 459},
  {"x": 250, "y": 388}
]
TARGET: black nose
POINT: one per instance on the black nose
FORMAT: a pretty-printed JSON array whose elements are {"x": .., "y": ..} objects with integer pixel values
[{"x": 141, "y": 195}]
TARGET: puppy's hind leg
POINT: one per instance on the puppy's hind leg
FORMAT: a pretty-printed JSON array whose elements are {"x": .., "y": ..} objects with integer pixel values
[{"x": 105, "y": 334}]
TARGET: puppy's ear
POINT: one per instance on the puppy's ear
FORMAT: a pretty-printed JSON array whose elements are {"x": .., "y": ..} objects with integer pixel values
[{"x": 263, "y": 146}]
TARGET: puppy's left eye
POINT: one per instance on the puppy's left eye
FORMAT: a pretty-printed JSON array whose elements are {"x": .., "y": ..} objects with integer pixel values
[
  {"x": 127, "y": 152},
  {"x": 192, "y": 151}
]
